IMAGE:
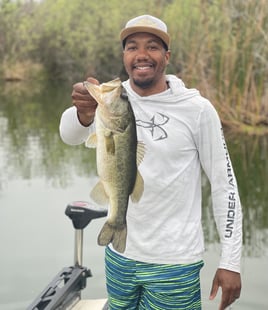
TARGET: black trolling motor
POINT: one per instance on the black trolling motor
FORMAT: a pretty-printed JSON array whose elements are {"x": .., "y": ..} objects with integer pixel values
[{"x": 64, "y": 291}]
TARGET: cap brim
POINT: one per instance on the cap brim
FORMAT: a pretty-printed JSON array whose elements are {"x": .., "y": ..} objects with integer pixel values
[{"x": 131, "y": 30}]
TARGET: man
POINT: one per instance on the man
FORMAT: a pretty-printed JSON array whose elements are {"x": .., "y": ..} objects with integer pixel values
[{"x": 182, "y": 133}]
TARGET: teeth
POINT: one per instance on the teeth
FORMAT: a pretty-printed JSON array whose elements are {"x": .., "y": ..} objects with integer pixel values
[{"x": 143, "y": 68}]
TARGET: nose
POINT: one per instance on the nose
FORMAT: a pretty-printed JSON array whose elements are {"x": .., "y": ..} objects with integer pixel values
[{"x": 142, "y": 54}]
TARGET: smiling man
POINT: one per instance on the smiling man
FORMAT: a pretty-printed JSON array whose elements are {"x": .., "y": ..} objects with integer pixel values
[
  {"x": 181, "y": 130},
  {"x": 145, "y": 58}
]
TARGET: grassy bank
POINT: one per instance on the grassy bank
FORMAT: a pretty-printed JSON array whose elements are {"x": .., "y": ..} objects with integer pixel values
[{"x": 219, "y": 47}]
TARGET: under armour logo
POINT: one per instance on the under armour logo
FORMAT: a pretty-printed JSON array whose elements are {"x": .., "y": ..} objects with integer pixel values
[{"x": 155, "y": 125}]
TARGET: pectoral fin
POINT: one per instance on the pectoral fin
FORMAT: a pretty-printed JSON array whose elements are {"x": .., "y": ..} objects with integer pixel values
[
  {"x": 138, "y": 188},
  {"x": 109, "y": 143},
  {"x": 91, "y": 141},
  {"x": 99, "y": 195}
]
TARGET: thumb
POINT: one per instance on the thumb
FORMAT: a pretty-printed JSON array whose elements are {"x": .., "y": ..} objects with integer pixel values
[
  {"x": 93, "y": 81},
  {"x": 214, "y": 290}
]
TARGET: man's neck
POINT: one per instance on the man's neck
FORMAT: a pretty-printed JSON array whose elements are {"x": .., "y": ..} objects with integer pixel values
[{"x": 150, "y": 90}]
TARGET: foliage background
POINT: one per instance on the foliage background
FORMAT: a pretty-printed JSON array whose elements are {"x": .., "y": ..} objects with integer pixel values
[{"x": 218, "y": 46}]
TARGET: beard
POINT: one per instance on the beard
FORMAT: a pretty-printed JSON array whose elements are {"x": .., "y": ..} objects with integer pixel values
[{"x": 143, "y": 83}]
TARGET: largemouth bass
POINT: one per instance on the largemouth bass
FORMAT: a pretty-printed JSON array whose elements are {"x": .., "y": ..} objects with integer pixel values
[{"x": 118, "y": 155}]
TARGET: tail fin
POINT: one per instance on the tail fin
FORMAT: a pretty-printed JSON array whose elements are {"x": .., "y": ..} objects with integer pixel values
[{"x": 115, "y": 235}]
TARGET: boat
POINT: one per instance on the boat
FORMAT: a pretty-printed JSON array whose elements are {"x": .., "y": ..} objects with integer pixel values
[{"x": 64, "y": 291}]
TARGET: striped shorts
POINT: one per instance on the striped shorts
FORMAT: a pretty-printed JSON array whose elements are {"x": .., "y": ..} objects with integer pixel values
[{"x": 133, "y": 285}]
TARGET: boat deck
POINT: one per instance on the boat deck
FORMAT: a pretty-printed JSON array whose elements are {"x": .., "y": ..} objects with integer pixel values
[{"x": 92, "y": 304}]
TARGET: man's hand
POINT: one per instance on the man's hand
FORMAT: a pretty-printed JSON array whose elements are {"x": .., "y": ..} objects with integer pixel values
[
  {"x": 230, "y": 283},
  {"x": 85, "y": 104}
]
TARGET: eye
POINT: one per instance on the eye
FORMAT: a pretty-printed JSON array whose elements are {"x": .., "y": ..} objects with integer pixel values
[
  {"x": 153, "y": 47},
  {"x": 130, "y": 48}
]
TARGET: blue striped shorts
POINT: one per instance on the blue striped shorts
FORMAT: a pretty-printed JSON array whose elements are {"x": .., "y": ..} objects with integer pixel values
[{"x": 133, "y": 285}]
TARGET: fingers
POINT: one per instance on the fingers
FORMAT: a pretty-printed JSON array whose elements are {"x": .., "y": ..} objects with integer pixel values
[
  {"x": 229, "y": 296},
  {"x": 80, "y": 93},
  {"x": 85, "y": 104},
  {"x": 226, "y": 302},
  {"x": 214, "y": 290},
  {"x": 81, "y": 97},
  {"x": 230, "y": 283}
]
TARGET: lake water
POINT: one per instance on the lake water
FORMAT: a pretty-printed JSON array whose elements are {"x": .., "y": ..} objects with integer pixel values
[{"x": 40, "y": 175}]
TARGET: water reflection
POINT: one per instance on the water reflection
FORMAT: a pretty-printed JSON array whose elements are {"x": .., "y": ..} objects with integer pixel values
[
  {"x": 251, "y": 165},
  {"x": 30, "y": 147}
]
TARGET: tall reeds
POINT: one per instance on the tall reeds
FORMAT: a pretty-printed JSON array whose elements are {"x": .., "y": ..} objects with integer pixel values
[{"x": 221, "y": 47}]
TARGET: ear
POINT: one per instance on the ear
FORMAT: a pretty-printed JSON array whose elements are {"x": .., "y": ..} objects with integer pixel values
[{"x": 167, "y": 56}]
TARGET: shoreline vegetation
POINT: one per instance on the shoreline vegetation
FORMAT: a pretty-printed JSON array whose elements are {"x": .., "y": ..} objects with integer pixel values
[{"x": 219, "y": 47}]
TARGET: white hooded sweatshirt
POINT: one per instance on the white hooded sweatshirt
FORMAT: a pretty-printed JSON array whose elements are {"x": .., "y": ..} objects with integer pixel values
[{"x": 182, "y": 133}]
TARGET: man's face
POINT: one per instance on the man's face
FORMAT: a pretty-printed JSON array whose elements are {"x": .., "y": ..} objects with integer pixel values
[{"x": 145, "y": 60}]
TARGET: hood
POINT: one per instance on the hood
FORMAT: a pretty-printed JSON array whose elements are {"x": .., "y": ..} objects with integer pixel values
[{"x": 178, "y": 91}]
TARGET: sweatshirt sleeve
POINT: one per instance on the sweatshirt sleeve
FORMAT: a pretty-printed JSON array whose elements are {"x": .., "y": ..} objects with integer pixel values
[
  {"x": 71, "y": 131},
  {"x": 217, "y": 165}
]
